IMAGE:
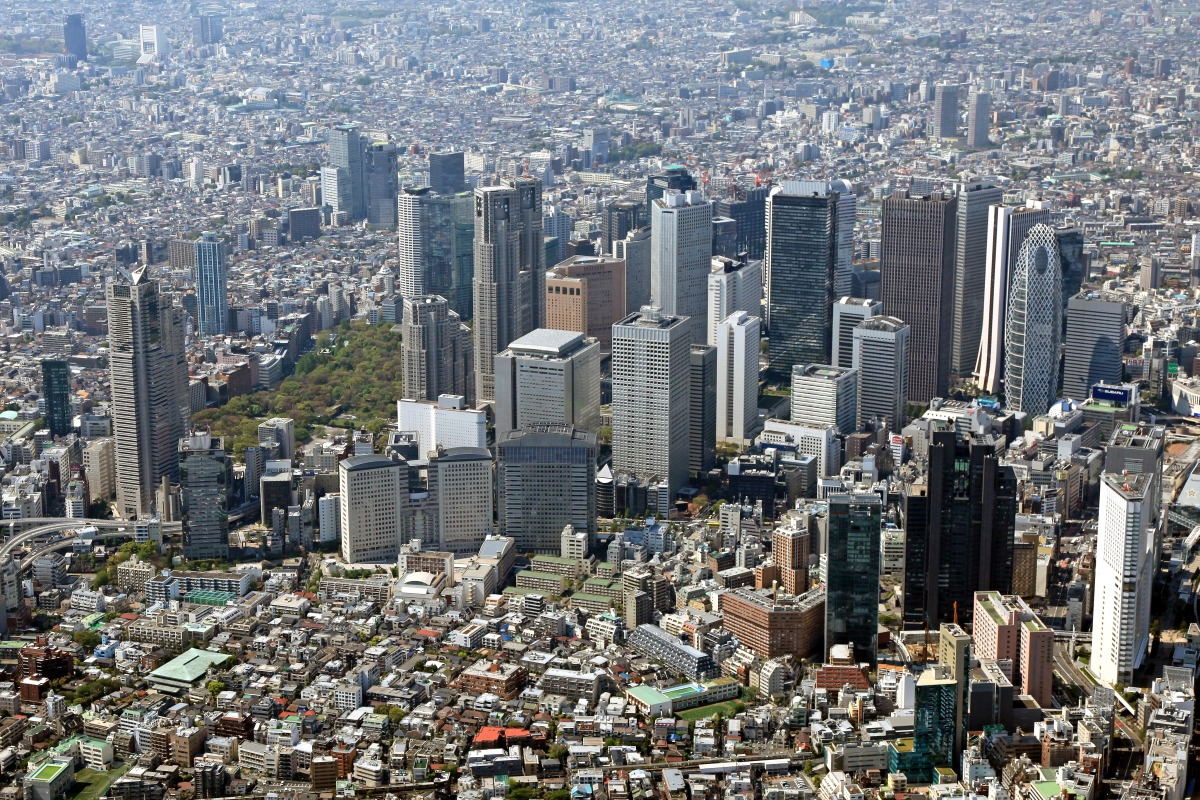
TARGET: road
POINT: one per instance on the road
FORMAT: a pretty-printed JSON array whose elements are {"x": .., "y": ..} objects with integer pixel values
[{"x": 59, "y": 524}]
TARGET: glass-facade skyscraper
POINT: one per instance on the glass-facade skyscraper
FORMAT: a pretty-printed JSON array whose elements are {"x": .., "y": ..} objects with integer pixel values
[
  {"x": 56, "y": 389},
  {"x": 212, "y": 296},
  {"x": 852, "y": 574},
  {"x": 1033, "y": 329},
  {"x": 75, "y": 36}
]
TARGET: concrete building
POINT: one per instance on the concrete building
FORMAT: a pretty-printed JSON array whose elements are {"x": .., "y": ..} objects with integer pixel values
[
  {"x": 970, "y": 270},
  {"x": 528, "y": 461},
  {"x": 370, "y": 488},
  {"x": 548, "y": 376},
  {"x": 681, "y": 258},
  {"x": 634, "y": 250},
  {"x": 732, "y": 286},
  {"x": 206, "y": 476},
  {"x": 212, "y": 294},
  {"x": 944, "y": 124},
  {"x": 825, "y": 395},
  {"x": 1005, "y": 628},
  {"x": 848, "y": 314},
  {"x": 1095, "y": 342},
  {"x": 1124, "y": 576},
  {"x": 586, "y": 294},
  {"x": 437, "y": 351},
  {"x": 702, "y": 396},
  {"x": 979, "y": 120},
  {"x": 773, "y": 627},
  {"x": 737, "y": 378},
  {"x": 446, "y": 423}
]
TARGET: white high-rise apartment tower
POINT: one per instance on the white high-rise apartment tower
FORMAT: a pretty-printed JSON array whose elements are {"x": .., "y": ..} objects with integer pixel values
[
  {"x": 737, "y": 377},
  {"x": 1124, "y": 576}
]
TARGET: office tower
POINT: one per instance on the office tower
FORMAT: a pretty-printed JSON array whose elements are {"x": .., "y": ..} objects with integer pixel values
[
  {"x": 337, "y": 192},
  {"x": 634, "y": 250},
  {"x": 1095, "y": 342},
  {"x": 346, "y": 151},
  {"x": 206, "y": 477},
  {"x": 510, "y": 281},
  {"x": 800, "y": 266},
  {"x": 737, "y": 378},
  {"x": 56, "y": 389},
  {"x": 848, "y": 314},
  {"x": 916, "y": 269},
  {"x": 153, "y": 43},
  {"x": 548, "y": 376},
  {"x": 970, "y": 271},
  {"x": 460, "y": 478},
  {"x": 1006, "y": 628},
  {"x": 303, "y": 223},
  {"x": 791, "y": 543},
  {"x": 212, "y": 295},
  {"x": 210, "y": 29},
  {"x": 1007, "y": 229},
  {"x": 621, "y": 217},
  {"x": 748, "y": 209},
  {"x": 586, "y": 294},
  {"x": 371, "y": 490},
  {"x": 945, "y": 112},
  {"x": 681, "y": 257},
  {"x": 1072, "y": 259},
  {"x": 446, "y": 173},
  {"x": 702, "y": 395},
  {"x": 1033, "y": 329},
  {"x": 880, "y": 355},
  {"x": 732, "y": 286},
  {"x": 75, "y": 36},
  {"x": 597, "y": 142},
  {"x": 847, "y": 212},
  {"x": 959, "y": 525},
  {"x": 379, "y": 185},
  {"x": 1124, "y": 576},
  {"x": 674, "y": 178},
  {"x": 825, "y": 395},
  {"x": 558, "y": 228},
  {"x": 852, "y": 574},
  {"x": 650, "y": 391},
  {"x": 979, "y": 119},
  {"x": 413, "y": 221},
  {"x": 278, "y": 436},
  {"x": 436, "y": 246},
  {"x": 436, "y": 350},
  {"x": 1138, "y": 449},
  {"x": 545, "y": 480},
  {"x": 149, "y": 389}
]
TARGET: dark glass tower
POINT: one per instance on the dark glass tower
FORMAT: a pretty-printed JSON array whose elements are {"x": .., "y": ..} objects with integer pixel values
[
  {"x": 56, "y": 388},
  {"x": 75, "y": 36},
  {"x": 447, "y": 173},
  {"x": 675, "y": 177},
  {"x": 852, "y": 574},
  {"x": 620, "y": 218},
  {"x": 800, "y": 266},
  {"x": 748, "y": 208}
]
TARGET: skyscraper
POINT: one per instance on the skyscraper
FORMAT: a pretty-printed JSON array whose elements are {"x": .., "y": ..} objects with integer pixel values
[
  {"x": 1033, "y": 329},
  {"x": 747, "y": 208},
  {"x": 732, "y": 286},
  {"x": 212, "y": 294},
  {"x": 149, "y": 389},
  {"x": 848, "y": 314},
  {"x": 548, "y": 376},
  {"x": 372, "y": 488},
  {"x": 210, "y": 29},
  {"x": 737, "y": 378},
  {"x": 621, "y": 217},
  {"x": 852, "y": 574},
  {"x": 510, "y": 279},
  {"x": 970, "y": 270},
  {"x": 702, "y": 395},
  {"x": 436, "y": 246},
  {"x": 1095, "y": 341},
  {"x": 75, "y": 36},
  {"x": 447, "y": 173},
  {"x": 979, "y": 120},
  {"x": 346, "y": 150},
  {"x": 379, "y": 183},
  {"x": 1007, "y": 229},
  {"x": 650, "y": 406},
  {"x": 674, "y": 178},
  {"x": 1124, "y": 576},
  {"x": 681, "y": 257},
  {"x": 945, "y": 111},
  {"x": 413, "y": 222},
  {"x": 206, "y": 476},
  {"x": 56, "y": 389},
  {"x": 545, "y": 480},
  {"x": 880, "y": 354},
  {"x": 825, "y": 395},
  {"x": 586, "y": 294},
  {"x": 847, "y": 212},
  {"x": 800, "y": 267},
  {"x": 436, "y": 350},
  {"x": 916, "y": 272},
  {"x": 634, "y": 250}
]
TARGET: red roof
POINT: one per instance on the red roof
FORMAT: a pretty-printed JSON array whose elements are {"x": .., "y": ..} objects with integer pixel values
[{"x": 834, "y": 677}]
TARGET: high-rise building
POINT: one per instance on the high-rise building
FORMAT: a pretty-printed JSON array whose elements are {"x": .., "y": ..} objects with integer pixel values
[
  {"x": 371, "y": 490},
  {"x": 447, "y": 173},
  {"x": 825, "y": 395},
  {"x": 379, "y": 186},
  {"x": 346, "y": 155},
  {"x": 748, "y": 209},
  {"x": 436, "y": 246},
  {"x": 210, "y": 29},
  {"x": 212, "y": 293},
  {"x": 634, "y": 250},
  {"x": 702, "y": 435},
  {"x": 650, "y": 390},
  {"x": 304, "y": 223},
  {"x": 674, "y": 178},
  {"x": 149, "y": 389},
  {"x": 958, "y": 525},
  {"x": 945, "y": 112},
  {"x": 847, "y": 212},
  {"x": 1095, "y": 341},
  {"x": 56, "y": 389},
  {"x": 1006, "y": 628},
  {"x": 153, "y": 43},
  {"x": 732, "y": 286},
  {"x": 681, "y": 257},
  {"x": 461, "y": 481},
  {"x": 737, "y": 378},
  {"x": 529, "y": 461},
  {"x": 979, "y": 119},
  {"x": 206, "y": 477},
  {"x": 586, "y": 294},
  {"x": 880, "y": 355},
  {"x": 791, "y": 543},
  {"x": 437, "y": 351},
  {"x": 848, "y": 314},
  {"x": 1124, "y": 576},
  {"x": 916, "y": 270},
  {"x": 1007, "y": 229},
  {"x": 75, "y": 36},
  {"x": 548, "y": 376},
  {"x": 621, "y": 217},
  {"x": 1033, "y": 329},
  {"x": 277, "y": 436},
  {"x": 800, "y": 269},
  {"x": 510, "y": 280},
  {"x": 970, "y": 270},
  {"x": 852, "y": 574}
]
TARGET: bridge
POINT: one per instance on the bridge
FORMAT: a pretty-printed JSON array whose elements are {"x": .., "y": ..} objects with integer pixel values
[{"x": 44, "y": 526}]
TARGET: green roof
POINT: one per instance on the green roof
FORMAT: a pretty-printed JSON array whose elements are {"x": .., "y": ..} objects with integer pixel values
[
  {"x": 48, "y": 771},
  {"x": 189, "y": 667},
  {"x": 647, "y": 694}
]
